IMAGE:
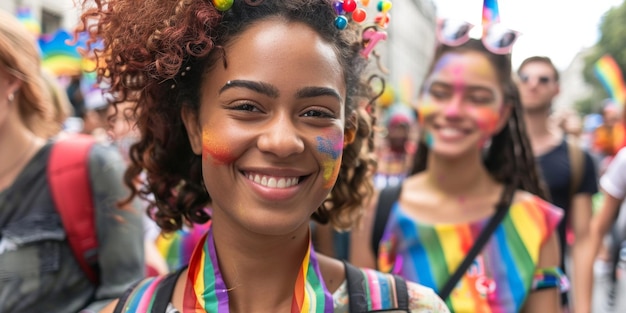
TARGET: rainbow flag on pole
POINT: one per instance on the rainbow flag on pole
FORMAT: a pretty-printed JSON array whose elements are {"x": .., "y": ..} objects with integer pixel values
[{"x": 610, "y": 75}]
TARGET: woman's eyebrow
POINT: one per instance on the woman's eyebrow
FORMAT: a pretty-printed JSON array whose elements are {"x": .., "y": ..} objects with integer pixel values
[{"x": 260, "y": 87}]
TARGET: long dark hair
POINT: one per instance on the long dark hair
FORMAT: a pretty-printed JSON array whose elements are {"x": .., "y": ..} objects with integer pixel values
[{"x": 509, "y": 158}]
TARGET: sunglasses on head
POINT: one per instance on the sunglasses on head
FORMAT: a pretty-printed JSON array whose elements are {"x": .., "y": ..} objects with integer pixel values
[
  {"x": 543, "y": 80},
  {"x": 496, "y": 38}
]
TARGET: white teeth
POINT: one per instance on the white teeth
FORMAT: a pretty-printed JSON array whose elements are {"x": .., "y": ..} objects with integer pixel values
[
  {"x": 273, "y": 182},
  {"x": 450, "y": 132}
]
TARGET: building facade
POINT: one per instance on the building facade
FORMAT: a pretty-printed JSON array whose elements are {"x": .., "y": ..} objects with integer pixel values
[{"x": 51, "y": 14}]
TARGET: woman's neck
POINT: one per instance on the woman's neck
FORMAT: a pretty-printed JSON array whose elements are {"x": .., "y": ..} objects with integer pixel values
[
  {"x": 459, "y": 176},
  {"x": 17, "y": 146},
  {"x": 260, "y": 271}
]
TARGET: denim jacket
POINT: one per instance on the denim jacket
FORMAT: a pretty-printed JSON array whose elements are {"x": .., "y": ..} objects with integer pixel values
[{"x": 38, "y": 272}]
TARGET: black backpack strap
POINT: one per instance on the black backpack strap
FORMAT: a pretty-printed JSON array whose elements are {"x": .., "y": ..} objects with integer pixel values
[
  {"x": 358, "y": 296},
  {"x": 386, "y": 199},
  {"x": 356, "y": 289},
  {"x": 164, "y": 292},
  {"x": 119, "y": 307},
  {"x": 162, "y": 296},
  {"x": 402, "y": 293},
  {"x": 501, "y": 211}
]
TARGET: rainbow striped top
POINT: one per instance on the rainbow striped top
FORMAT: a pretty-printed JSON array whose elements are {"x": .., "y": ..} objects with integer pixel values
[{"x": 503, "y": 274}]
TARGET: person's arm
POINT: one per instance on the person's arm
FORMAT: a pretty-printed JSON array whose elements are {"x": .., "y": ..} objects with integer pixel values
[
  {"x": 119, "y": 229},
  {"x": 110, "y": 308},
  {"x": 582, "y": 267},
  {"x": 546, "y": 300},
  {"x": 602, "y": 222},
  {"x": 582, "y": 212},
  {"x": 361, "y": 253}
]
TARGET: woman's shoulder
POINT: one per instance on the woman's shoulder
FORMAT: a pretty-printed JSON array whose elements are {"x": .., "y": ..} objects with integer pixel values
[
  {"x": 529, "y": 207},
  {"x": 528, "y": 200}
]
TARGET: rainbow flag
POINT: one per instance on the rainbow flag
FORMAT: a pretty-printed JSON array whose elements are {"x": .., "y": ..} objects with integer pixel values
[
  {"x": 26, "y": 17},
  {"x": 610, "y": 75},
  {"x": 491, "y": 13},
  {"x": 60, "y": 53},
  {"x": 177, "y": 247}
]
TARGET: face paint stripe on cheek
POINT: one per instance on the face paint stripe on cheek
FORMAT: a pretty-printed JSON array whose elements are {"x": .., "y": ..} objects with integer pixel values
[
  {"x": 486, "y": 118},
  {"x": 331, "y": 147},
  {"x": 425, "y": 110},
  {"x": 216, "y": 149}
]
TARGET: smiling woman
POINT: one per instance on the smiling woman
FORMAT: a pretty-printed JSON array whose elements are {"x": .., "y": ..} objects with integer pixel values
[
  {"x": 471, "y": 221},
  {"x": 258, "y": 117}
]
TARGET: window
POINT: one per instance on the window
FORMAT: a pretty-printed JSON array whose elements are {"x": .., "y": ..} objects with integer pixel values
[{"x": 50, "y": 21}]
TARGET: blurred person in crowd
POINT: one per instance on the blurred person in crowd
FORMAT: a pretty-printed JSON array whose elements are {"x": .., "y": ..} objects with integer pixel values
[
  {"x": 568, "y": 171},
  {"x": 473, "y": 167},
  {"x": 96, "y": 111},
  {"x": 396, "y": 150},
  {"x": 75, "y": 95},
  {"x": 37, "y": 264},
  {"x": 609, "y": 137},
  {"x": 569, "y": 122},
  {"x": 612, "y": 286},
  {"x": 60, "y": 102}
]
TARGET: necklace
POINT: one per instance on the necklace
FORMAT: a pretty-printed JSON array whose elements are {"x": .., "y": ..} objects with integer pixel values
[
  {"x": 20, "y": 159},
  {"x": 206, "y": 290}
]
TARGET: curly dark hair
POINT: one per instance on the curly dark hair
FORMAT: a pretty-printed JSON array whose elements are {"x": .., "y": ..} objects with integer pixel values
[
  {"x": 162, "y": 59},
  {"x": 509, "y": 158}
]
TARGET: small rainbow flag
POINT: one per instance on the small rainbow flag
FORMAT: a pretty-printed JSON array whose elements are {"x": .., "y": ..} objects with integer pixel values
[
  {"x": 491, "y": 13},
  {"x": 177, "y": 247},
  {"x": 26, "y": 17},
  {"x": 610, "y": 75}
]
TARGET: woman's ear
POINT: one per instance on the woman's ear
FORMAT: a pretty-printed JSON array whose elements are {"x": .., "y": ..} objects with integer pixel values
[
  {"x": 351, "y": 128},
  {"x": 194, "y": 132},
  {"x": 13, "y": 86}
]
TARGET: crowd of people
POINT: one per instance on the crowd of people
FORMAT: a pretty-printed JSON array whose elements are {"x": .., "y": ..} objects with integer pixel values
[{"x": 237, "y": 160}]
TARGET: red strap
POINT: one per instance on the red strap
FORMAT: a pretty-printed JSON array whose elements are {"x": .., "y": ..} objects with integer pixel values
[{"x": 68, "y": 179}]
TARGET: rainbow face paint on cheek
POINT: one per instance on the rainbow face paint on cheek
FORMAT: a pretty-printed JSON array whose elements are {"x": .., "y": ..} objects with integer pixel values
[
  {"x": 425, "y": 110},
  {"x": 331, "y": 148},
  {"x": 216, "y": 149},
  {"x": 487, "y": 120}
]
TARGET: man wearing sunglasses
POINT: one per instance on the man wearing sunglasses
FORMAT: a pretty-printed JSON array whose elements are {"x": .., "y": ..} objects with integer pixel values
[{"x": 568, "y": 171}]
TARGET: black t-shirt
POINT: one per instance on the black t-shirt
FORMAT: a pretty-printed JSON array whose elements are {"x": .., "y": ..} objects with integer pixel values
[{"x": 555, "y": 168}]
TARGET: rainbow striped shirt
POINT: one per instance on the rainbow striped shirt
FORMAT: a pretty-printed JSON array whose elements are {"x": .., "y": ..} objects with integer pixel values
[{"x": 502, "y": 275}]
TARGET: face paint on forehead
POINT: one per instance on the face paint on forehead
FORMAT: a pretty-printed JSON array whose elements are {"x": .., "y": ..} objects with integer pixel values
[
  {"x": 331, "y": 147},
  {"x": 216, "y": 149},
  {"x": 468, "y": 62}
]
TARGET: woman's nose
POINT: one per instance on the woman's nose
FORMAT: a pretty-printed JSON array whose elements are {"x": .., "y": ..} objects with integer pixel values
[
  {"x": 454, "y": 108},
  {"x": 281, "y": 137}
]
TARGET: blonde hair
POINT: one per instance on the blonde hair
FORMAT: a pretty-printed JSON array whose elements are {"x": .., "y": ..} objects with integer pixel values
[
  {"x": 61, "y": 105},
  {"x": 20, "y": 58}
]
